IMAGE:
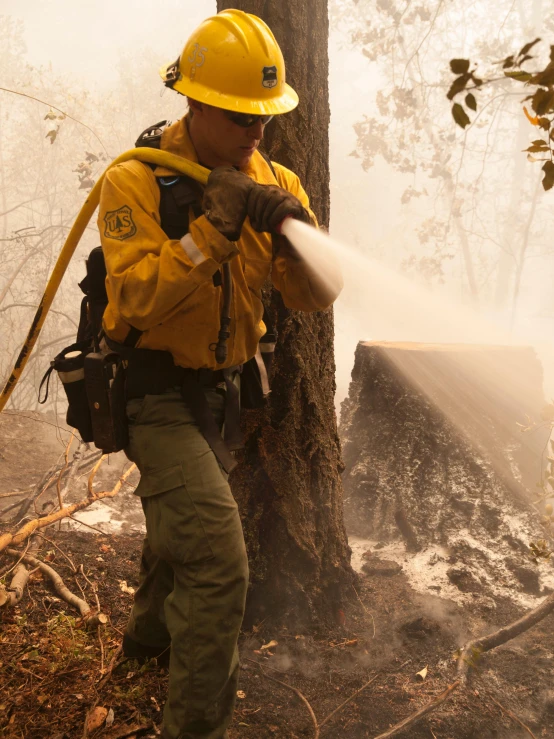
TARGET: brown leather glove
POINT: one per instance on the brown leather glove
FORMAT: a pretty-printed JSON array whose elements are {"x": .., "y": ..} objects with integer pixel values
[
  {"x": 268, "y": 205},
  {"x": 225, "y": 200}
]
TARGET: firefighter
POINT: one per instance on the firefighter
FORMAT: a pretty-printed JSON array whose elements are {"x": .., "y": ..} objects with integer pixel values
[{"x": 185, "y": 309}]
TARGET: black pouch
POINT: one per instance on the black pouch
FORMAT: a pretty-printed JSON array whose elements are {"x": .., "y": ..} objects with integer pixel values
[
  {"x": 254, "y": 378},
  {"x": 70, "y": 366},
  {"x": 105, "y": 389}
]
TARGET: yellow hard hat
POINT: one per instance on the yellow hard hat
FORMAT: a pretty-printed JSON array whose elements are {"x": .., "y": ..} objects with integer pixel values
[{"x": 233, "y": 61}]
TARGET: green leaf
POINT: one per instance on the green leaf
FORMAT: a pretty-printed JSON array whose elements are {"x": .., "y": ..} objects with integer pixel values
[
  {"x": 527, "y": 48},
  {"x": 471, "y": 102},
  {"x": 519, "y": 75},
  {"x": 460, "y": 116},
  {"x": 548, "y": 179},
  {"x": 459, "y": 66},
  {"x": 458, "y": 86}
]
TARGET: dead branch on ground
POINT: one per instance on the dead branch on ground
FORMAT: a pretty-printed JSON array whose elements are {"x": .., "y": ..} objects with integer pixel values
[
  {"x": 298, "y": 693},
  {"x": 89, "y": 616},
  {"x": 514, "y": 718},
  {"x": 415, "y": 717},
  {"x": 344, "y": 703},
  {"x": 469, "y": 655},
  {"x": 39, "y": 523}
]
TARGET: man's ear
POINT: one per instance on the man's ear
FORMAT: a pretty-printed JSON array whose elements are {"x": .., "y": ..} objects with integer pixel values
[{"x": 195, "y": 107}]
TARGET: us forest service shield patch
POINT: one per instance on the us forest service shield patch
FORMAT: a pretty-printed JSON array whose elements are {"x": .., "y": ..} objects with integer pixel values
[
  {"x": 119, "y": 223},
  {"x": 269, "y": 77}
]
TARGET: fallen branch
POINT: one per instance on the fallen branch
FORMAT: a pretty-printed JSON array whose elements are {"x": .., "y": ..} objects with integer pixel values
[
  {"x": 474, "y": 649},
  {"x": 90, "y": 617},
  {"x": 513, "y": 717},
  {"x": 344, "y": 703},
  {"x": 11, "y": 596},
  {"x": 39, "y": 523},
  {"x": 298, "y": 693},
  {"x": 415, "y": 717},
  {"x": 469, "y": 656}
]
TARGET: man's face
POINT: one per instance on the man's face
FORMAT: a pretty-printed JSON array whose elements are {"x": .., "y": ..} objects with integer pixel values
[{"x": 226, "y": 142}]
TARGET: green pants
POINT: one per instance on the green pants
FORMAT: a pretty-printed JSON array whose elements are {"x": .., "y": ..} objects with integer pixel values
[{"x": 194, "y": 570}]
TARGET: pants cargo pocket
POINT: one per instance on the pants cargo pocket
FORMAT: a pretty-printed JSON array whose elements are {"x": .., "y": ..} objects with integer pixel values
[{"x": 174, "y": 529}]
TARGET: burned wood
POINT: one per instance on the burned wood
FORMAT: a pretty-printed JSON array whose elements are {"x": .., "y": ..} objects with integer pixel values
[{"x": 405, "y": 528}]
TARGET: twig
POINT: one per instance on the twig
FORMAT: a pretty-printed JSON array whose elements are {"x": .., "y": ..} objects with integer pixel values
[
  {"x": 92, "y": 586},
  {"x": 365, "y": 609},
  {"x": 39, "y": 523},
  {"x": 53, "y": 543},
  {"x": 337, "y": 709},
  {"x": 87, "y": 525},
  {"x": 93, "y": 475},
  {"x": 298, "y": 693},
  {"x": 63, "y": 469},
  {"x": 415, "y": 717},
  {"x": 31, "y": 97},
  {"x": 101, "y": 650},
  {"x": 513, "y": 717},
  {"x": 90, "y": 617},
  {"x": 12, "y": 495},
  {"x": 111, "y": 666}
]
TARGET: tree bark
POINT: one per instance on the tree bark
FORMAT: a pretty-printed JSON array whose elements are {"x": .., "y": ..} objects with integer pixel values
[{"x": 288, "y": 483}]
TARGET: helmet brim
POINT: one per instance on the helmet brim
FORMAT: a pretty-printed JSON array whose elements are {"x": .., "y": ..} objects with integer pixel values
[{"x": 283, "y": 103}]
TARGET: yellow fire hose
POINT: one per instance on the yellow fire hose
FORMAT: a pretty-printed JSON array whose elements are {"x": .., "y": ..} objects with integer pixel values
[{"x": 143, "y": 154}]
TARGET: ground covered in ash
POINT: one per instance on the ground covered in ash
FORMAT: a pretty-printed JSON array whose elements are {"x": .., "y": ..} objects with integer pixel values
[
  {"x": 62, "y": 681},
  {"x": 54, "y": 673}
]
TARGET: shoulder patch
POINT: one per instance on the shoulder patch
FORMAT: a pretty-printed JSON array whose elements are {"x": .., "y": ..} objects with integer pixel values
[{"x": 119, "y": 223}]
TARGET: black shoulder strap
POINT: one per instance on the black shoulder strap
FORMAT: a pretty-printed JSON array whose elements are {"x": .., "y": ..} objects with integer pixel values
[{"x": 270, "y": 163}]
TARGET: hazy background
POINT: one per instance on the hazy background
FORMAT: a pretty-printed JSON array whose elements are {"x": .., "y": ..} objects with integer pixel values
[{"x": 408, "y": 188}]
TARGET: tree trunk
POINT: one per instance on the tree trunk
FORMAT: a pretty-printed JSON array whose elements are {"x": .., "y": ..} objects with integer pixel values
[{"x": 288, "y": 484}]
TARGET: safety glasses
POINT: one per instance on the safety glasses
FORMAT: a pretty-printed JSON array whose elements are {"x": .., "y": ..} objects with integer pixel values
[{"x": 245, "y": 120}]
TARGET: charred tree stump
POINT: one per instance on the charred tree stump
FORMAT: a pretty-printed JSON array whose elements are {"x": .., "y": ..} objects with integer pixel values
[{"x": 436, "y": 453}]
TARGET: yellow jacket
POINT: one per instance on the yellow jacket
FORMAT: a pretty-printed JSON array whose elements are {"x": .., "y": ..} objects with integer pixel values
[{"x": 164, "y": 287}]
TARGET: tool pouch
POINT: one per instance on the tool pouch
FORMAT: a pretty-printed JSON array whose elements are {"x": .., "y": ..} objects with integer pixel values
[
  {"x": 70, "y": 366},
  {"x": 104, "y": 381}
]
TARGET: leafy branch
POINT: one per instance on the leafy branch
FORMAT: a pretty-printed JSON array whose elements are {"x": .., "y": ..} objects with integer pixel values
[{"x": 541, "y": 100}]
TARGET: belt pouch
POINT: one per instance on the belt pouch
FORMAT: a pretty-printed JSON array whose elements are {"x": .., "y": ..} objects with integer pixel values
[
  {"x": 69, "y": 364},
  {"x": 105, "y": 389}
]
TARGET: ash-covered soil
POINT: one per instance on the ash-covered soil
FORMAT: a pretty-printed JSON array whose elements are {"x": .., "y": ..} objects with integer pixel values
[
  {"x": 53, "y": 671},
  {"x": 409, "y": 615}
]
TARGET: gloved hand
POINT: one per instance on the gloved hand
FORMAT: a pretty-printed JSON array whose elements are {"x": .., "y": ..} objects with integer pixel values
[
  {"x": 225, "y": 200},
  {"x": 268, "y": 205}
]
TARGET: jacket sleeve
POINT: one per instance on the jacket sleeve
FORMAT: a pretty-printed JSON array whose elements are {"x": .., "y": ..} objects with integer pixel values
[
  {"x": 150, "y": 276},
  {"x": 295, "y": 279}
]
